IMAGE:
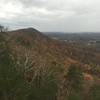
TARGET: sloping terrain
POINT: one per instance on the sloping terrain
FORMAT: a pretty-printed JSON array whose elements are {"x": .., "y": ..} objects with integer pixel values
[
  {"x": 54, "y": 49},
  {"x": 49, "y": 67},
  {"x": 39, "y": 44}
]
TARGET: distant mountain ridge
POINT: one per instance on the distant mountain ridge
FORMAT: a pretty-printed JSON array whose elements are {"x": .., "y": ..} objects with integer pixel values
[{"x": 74, "y": 36}]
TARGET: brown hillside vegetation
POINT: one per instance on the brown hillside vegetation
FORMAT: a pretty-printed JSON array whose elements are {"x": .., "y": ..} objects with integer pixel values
[
  {"x": 31, "y": 38},
  {"x": 41, "y": 51}
]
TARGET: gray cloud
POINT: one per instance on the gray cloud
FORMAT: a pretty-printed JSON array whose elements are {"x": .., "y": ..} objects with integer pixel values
[{"x": 51, "y": 15}]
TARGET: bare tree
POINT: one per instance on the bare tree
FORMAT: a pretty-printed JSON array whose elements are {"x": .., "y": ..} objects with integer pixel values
[{"x": 3, "y": 28}]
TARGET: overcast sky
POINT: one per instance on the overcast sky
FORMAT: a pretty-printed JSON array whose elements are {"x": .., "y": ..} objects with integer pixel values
[{"x": 51, "y": 15}]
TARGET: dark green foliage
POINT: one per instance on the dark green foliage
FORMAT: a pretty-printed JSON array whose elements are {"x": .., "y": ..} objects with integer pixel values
[
  {"x": 75, "y": 77},
  {"x": 75, "y": 96},
  {"x": 12, "y": 84},
  {"x": 95, "y": 92},
  {"x": 47, "y": 92},
  {"x": 1, "y": 38},
  {"x": 44, "y": 87}
]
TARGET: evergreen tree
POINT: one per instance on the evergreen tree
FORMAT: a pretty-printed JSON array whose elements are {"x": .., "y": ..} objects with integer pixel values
[
  {"x": 74, "y": 82},
  {"x": 75, "y": 77},
  {"x": 95, "y": 92}
]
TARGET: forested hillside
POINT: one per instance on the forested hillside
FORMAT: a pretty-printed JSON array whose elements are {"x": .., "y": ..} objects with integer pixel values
[{"x": 36, "y": 67}]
